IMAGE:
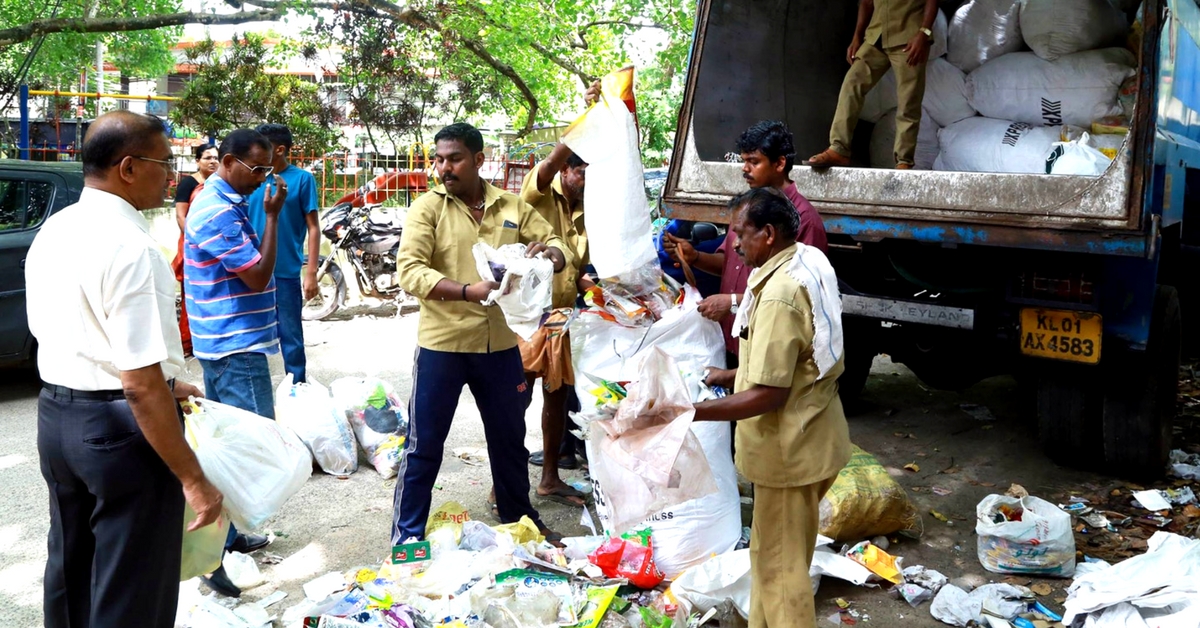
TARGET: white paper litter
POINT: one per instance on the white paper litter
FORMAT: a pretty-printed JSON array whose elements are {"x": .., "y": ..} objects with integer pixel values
[
  {"x": 1152, "y": 500},
  {"x": 958, "y": 608},
  {"x": 1163, "y": 584}
]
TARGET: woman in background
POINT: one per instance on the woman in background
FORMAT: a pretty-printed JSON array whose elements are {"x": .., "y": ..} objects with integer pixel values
[{"x": 206, "y": 164}]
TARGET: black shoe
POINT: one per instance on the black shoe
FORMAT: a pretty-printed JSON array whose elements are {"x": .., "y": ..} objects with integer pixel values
[
  {"x": 219, "y": 581},
  {"x": 566, "y": 461},
  {"x": 246, "y": 543}
]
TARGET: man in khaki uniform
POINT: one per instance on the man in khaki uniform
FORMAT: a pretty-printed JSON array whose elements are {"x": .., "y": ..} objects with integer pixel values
[
  {"x": 793, "y": 439},
  {"x": 555, "y": 189},
  {"x": 889, "y": 33},
  {"x": 459, "y": 341}
]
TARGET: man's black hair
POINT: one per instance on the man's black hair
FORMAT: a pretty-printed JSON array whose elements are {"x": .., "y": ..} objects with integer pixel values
[
  {"x": 462, "y": 132},
  {"x": 199, "y": 150},
  {"x": 574, "y": 161},
  {"x": 279, "y": 134},
  {"x": 239, "y": 143},
  {"x": 768, "y": 206},
  {"x": 772, "y": 138},
  {"x": 108, "y": 143}
]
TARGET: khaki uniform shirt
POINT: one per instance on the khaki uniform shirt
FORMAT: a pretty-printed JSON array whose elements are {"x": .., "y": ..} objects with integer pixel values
[
  {"x": 567, "y": 224},
  {"x": 894, "y": 22},
  {"x": 436, "y": 244},
  {"x": 807, "y": 440}
]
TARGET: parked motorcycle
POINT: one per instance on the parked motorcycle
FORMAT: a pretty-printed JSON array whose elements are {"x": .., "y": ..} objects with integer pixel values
[{"x": 365, "y": 238}]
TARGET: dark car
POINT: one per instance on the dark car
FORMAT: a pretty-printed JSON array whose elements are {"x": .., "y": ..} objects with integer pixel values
[{"x": 30, "y": 191}]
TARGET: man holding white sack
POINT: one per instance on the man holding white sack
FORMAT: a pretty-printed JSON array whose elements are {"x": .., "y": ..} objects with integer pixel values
[
  {"x": 459, "y": 341},
  {"x": 110, "y": 432},
  {"x": 793, "y": 439}
]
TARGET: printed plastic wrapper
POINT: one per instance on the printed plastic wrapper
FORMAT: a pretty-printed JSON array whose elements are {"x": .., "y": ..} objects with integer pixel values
[
  {"x": 450, "y": 515},
  {"x": 622, "y": 558},
  {"x": 599, "y": 599},
  {"x": 642, "y": 455},
  {"x": 376, "y": 414},
  {"x": 982, "y": 30},
  {"x": 526, "y": 284},
  {"x": 203, "y": 548},
  {"x": 1054, "y": 28},
  {"x": 865, "y": 502},
  {"x": 878, "y": 561},
  {"x": 606, "y": 137},
  {"x": 1028, "y": 536},
  {"x": 1077, "y": 157},
  {"x": 1075, "y": 89},
  {"x": 547, "y": 597},
  {"x": 256, "y": 463},
  {"x": 307, "y": 409}
]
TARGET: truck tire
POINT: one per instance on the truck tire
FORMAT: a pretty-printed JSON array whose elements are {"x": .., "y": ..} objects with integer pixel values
[
  {"x": 331, "y": 293},
  {"x": 860, "y": 346},
  {"x": 1070, "y": 404},
  {"x": 1140, "y": 399}
]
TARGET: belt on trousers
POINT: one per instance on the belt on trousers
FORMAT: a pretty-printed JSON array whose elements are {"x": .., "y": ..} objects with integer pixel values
[{"x": 86, "y": 395}]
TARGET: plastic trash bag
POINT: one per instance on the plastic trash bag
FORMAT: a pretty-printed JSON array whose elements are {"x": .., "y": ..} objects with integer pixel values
[
  {"x": 1077, "y": 157},
  {"x": 307, "y": 409},
  {"x": 646, "y": 458},
  {"x": 722, "y": 577},
  {"x": 982, "y": 30},
  {"x": 1028, "y": 536},
  {"x": 242, "y": 570},
  {"x": 526, "y": 284},
  {"x": 606, "y": 137},
  {"x": 203, "y": 548},
  {"x": 1075, "y": 89},
  {"x": 988, "y": 145},
  {"x": 256, "y": 463},
  {"x": 956, "y": 607},
  {"x": 622, "y": 558},
  {"x": 865, "y": 501},
  {"x": 376, "y": 415},
  {"x": 1163, "y": 581},
  {"x": 1054, "y": 28}
]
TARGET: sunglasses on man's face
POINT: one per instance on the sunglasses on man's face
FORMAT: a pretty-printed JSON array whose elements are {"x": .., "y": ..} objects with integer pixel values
[{"x": 257, "y": 170}]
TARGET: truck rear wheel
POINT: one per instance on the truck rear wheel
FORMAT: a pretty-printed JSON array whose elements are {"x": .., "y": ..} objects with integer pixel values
[
  {"x": 1069, "y": 408},
  {"x": 1140, "y": 399}
]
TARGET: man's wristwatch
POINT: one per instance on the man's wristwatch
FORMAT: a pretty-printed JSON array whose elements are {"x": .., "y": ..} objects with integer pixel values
[
  {"x": 928, "y": 33},
  {"x": 733, "y": 307}
]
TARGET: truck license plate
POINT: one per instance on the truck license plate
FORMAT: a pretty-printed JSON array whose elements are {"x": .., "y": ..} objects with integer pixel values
[{"x": 1061, "y": 335}]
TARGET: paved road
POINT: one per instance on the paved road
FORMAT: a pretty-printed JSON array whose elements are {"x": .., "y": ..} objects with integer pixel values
[{"x": 337, "y": 524}]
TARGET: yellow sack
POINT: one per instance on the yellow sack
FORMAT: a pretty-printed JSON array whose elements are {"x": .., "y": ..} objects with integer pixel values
[
  {"x": 865, "y": 501},
  {"x": 449, "y": 514},
  {"x": 522, "y": 531}
]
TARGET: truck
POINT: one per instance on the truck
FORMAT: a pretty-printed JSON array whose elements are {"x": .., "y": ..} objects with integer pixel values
[{"x": 1075, "y": 285}]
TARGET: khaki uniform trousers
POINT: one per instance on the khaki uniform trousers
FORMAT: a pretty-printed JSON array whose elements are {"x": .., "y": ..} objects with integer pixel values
[
  {"x": 782, "y": 540},
  {"x": 870, "y": 64}
]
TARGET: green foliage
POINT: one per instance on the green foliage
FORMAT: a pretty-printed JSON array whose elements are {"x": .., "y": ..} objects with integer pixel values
[{"x": 233, "y": 88}]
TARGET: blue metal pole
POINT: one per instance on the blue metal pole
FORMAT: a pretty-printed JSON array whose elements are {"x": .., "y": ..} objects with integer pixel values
[{"x": 24, "y": 106}]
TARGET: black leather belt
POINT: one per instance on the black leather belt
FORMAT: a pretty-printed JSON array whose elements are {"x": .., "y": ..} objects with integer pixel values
[{"x": 62, "y": 392}]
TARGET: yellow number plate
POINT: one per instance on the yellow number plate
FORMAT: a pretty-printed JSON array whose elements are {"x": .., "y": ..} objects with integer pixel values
[{"x": 1061, "y": 335}]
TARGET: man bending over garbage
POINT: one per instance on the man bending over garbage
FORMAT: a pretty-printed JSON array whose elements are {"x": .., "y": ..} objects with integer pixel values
[
  {"x": 793, "y": 439},
  {"x": 459, "y": 341}
]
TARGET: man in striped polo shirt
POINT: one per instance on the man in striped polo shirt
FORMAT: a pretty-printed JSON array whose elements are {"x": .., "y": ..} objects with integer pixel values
[{"x": 229, "y": 275}]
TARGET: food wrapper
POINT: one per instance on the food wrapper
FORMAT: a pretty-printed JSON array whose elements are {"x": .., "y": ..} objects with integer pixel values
[{"x": 878, "y": 561}]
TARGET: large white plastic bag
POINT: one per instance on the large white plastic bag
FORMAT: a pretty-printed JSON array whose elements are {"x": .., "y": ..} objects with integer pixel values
[
  {"x": 883, "y": 142},
  {"x": 725, "y": 576},
  {"x": 1054, "y": 28},
  {"x": 308, "y": 410},
  {"x": 1075, "y": 89},
  {"x": 376, "y": 415},
  {"x": 1041, "y": 543},
  {"x": 941, "y": 30},
  {"x": 606, "y": 137},
  {"x": 525, "y": 290},
  {"x": 1077, "y": 157},
  {"x": 256, "y": 463},
  {"x": 1166, "y": 577},
  {"x": 982, "y": 30},
  {"x": 988, "y": 145},
  {"x": 646, "y": 457}
]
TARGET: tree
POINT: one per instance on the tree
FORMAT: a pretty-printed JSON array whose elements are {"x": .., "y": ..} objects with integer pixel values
[{"x": 231, "y": 88}]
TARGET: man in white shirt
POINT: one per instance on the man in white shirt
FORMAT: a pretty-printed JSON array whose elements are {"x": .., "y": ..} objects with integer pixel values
[{"x": 101, "y": 303}]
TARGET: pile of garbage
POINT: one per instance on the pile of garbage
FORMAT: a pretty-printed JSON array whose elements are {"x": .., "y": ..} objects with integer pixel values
[{"x": 1022, "y": 86}]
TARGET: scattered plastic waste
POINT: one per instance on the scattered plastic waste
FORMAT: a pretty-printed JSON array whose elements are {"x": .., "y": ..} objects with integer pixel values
[
  {"x": 1024, "y": 536},
  {"x": 1163, "y": 583},
  {"x": 878, "y": 561},
  {"x": 1185, "y": 465},
  {"x": 1151, "y": 500},
  {"x": 242, "y": 570}
]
